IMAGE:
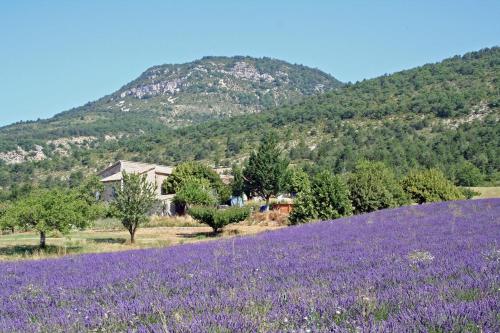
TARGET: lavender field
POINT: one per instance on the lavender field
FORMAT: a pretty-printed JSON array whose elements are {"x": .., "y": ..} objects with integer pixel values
[{"x": 429, "y": 268}]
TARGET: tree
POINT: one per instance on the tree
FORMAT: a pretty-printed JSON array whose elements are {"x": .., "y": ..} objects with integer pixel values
[
  {"x": 327, "y": 199},
  {"x": 266, "y": 170},
  {"x": 430, "y": 186},
  {"x": 195, "y": 191},
  {"x": 296, "y": 180},
  {"x": 374, "y": 186},
  {"x": 467, "y": 174},
  {"x": 238, "y": 184},
  {"x": 331, "y": 196},
  {"x": 134, "y": 199},
  {"x": 91, "y": 188},
  {"x": 219, "y": 218},
  {"x": 49, "y": 210},
  {"x": 6, "y": 223},
  {"x": 189, "y": 170},
  {"x": 304, "y": 208}
]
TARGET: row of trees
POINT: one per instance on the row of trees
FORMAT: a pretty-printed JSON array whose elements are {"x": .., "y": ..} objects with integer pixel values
[{"x": 371, "y": 186}]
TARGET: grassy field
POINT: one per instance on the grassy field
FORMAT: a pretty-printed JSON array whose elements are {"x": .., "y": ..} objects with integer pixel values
[
  {"x": 487, "y": 192},
  {"x": 109, "y": 236}
]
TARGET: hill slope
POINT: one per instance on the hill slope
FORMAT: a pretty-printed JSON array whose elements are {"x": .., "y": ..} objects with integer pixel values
[
  {"x": 177, "y": 95},
  {"x": 436, "y": 115},
  {"x": 377, "y": 272}
]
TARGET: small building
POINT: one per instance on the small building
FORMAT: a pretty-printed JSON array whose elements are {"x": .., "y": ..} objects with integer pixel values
[
  {"x": 112, "y": 179},
  {"x": 283, "y": 207}
]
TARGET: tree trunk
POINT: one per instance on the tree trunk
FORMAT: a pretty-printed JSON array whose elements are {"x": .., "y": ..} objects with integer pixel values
[
  {"x": 42, "y": 239},
  {"x": 132, "y": 230},
  {"x": 267, "y": 202}
]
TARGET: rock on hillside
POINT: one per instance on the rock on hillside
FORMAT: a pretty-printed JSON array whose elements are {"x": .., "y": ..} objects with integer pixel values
[
  {"x": 212, "y": 87},
  {"x": 173, "y": 96}
]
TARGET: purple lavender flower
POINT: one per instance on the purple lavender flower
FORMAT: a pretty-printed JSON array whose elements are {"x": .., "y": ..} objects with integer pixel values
[{"x": 428, "y": 268}]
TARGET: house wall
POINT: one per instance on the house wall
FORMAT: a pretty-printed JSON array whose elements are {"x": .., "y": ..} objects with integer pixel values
[
  {"x": 159, "y": 181},
  {"x": 108, "y": 193}
]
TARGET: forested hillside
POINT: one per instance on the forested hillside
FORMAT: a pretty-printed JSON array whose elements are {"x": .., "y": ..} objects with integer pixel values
[
  {"x": 438, "y": 115},
  {"x": 170, "y": 96}
]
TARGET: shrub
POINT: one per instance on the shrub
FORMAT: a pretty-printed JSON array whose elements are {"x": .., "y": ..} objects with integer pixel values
[
  {"x": 468, "y": 193},
  {"x": 195, "y": 191},
  {"x": 467, "y": 174},
  {"x": 430, "y": 186},
  {"x": 374, "y": 186},
  {"x": 218, "y": 218},
  {"x": 185, "y": 172},
  {"x": 327, "y": 199}
]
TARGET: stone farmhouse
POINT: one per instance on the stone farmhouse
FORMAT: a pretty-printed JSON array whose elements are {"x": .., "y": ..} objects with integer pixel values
[{"x": 111, "y": 177}]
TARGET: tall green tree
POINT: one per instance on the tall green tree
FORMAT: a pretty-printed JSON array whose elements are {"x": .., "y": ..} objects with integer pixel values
[
  {"x": 134, "y": 199},
  {"x": 238, "y": 184},
  {"x": 266, "y": 170},
  {"x": 49, "y": 210}
]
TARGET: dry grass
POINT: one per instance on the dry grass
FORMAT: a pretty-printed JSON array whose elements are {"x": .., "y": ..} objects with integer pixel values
[
  {"x": 268, "y": 219},
  {"x": 25, "y": 245},
  {"x": 487, "y": 192}
]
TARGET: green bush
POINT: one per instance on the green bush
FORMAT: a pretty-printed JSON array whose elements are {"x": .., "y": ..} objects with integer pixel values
[
  {"x": 186, "y": 171},
  {"x": 374, "y": 186},
  {"x": 430, "y": 186},
  {"x": 468, "y": 193},
  {"x": 467, "y": 174},
  {"x": 195, "y": 191},
  {"x": 328, "y": 198},
  {"x": 218, "y": 218}
]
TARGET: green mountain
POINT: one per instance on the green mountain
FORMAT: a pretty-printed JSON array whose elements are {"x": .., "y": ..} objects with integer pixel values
[
  {"x": 177, "y": 95},
  {"x": 438, "y": 115}
]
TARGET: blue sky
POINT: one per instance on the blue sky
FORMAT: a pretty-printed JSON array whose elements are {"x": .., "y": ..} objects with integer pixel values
[{"x": 55, "y": 55}]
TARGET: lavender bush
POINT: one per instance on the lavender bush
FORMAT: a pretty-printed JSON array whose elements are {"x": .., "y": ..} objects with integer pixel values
[{"x": 428, "y": 268}]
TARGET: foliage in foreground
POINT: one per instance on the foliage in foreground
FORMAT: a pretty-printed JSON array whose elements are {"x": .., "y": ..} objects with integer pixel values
[
  {"x": 219, "y": 218},
  {"x": 377, "y": 272},
  {"x": 430, "y": 186}
]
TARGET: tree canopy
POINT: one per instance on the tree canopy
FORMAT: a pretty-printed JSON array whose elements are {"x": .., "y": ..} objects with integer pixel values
[{"x": 49, "y": 210}]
